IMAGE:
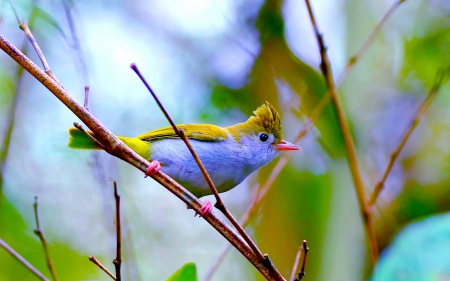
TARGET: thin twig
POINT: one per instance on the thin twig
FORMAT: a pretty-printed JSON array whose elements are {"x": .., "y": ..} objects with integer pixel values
[
  {"x": 302, "y": 273},
  {"x": 116, "y": 147},
  {"x": 102, "y": 267},
  {"x": 325, "y": 67},
  {"x": 68, "y": 6},
  {"x": 368, "y": 42},
  {"x": 118, "y": 260},
  {"x": 297, "y": 261},
  {"x": 24, "y": 26},
  {"x": 22, "y": 260},
  {"x": 219, "y": 203},
  {"x": 86, "y": 98},
  {"x": 419, "y": 114},
  {"x": 38, "y": 231}
]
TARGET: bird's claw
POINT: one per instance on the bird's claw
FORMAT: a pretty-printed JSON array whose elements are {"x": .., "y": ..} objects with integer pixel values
[
  {"x": 154, "y": 167},
  {"x": 205, "y": 209}
]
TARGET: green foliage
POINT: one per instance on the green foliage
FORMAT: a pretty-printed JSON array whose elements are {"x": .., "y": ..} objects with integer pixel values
[
  {"x": 187, "y": 272},
  {"x": 425, "y": 55}
]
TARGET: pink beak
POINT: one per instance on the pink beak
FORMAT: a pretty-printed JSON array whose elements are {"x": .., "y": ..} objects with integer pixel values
[{"x": 285, "y": 145}]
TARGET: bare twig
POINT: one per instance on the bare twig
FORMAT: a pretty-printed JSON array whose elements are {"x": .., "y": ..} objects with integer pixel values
[
  {"x": 419, "y": 114},
  {"x": 24, "y": 26},
  {"x": 118, "y": 260},
  {"x": 22, "y": 260},
  {"x": 102, "y": 267},
  {"x": 301, "y": 274},
  {"x": 116, "y": 147},
  {"x": 86, "y": 98},
  {"x": 368, "y": 42},
  {"x": 297, "y": 261},
  {"x": 219, "y": 203},
  {"x": 68, "y": 7},
  {"x": 39, "y": 233},
  {"x": 325, "y": 67}
]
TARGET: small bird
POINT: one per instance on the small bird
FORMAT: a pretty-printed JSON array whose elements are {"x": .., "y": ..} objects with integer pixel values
[{"x": 229, "y": 154}]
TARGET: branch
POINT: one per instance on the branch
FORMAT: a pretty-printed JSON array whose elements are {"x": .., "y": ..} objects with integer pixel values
[
  {"x": 219, "y": 203},
  {"x": 368, "y": 42},
  {"x": 24, "y": 26},
  {"x": 325, "y": 67},
  {"x": 38, "y": 231},
  {"x": 102, "y": 267},
  {"x": 118, "y": 260},
  {"x": 419, "y": 114},
  {"x": 116, "y": 147},
  {"x": 305, "y": 249},
  {"x": 22, "y": 260},
  {"x": 297, "y": 261}
]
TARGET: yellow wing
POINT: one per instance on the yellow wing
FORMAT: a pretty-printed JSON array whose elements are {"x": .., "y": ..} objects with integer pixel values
[{"x": 201, "y": 132}]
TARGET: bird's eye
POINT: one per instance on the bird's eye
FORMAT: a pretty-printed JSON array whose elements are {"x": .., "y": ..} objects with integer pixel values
[{"x": 263, "y": 137}]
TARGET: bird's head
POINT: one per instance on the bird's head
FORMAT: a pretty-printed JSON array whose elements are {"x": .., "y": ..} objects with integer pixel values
[{"x": 261, "y": 135}]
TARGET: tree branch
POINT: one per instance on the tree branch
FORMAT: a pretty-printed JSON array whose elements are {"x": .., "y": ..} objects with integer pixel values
[
  {"x": 117, "y": 148},
  {"x": 419, "y": 114},
  {"x": 38, "y": 231},
  {"x": 102, "y": 267},
  {"x": 22, "y": 260},
  {"x": 352, "y": 158}
]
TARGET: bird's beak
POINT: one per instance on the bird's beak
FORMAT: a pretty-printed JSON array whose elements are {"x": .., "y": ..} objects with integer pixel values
[{"x": 285, "y": 145}]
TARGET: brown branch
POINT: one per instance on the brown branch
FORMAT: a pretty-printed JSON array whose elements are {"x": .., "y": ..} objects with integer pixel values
[
  {"x": 368, "y": 42},
  {"x": 22, "y": 260},
  {"x": 86, "y": 98},
  {"x": 102, "y": 267},
  {"x": 118, "y": 260},
  {"x": 305, "y": 249},
  {"x": 116, "y": 147},
  {"x": 325, "y": 67},
  {"x": 24, "y": 26},
  {"x": 419, "y": 114},
  {"x": 296, "y": 262},
  {"x": 39, "y": 233},
  {"x": 219, "y": 203}
]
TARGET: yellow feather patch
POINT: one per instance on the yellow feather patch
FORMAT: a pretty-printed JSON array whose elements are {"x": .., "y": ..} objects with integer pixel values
[{"x": 201, "y": 132}]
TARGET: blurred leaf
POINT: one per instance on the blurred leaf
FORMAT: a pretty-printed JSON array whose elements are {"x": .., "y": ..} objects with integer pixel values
[
  {"x": 425, "y": 55},
  {"x": 419, "y": 252},
  {"x": 38, "y": 13},
  {"x": 6, "y": 88},
  {"x": 277, "y": 64},
  {"x": 187, "y": 272},
  {"x": 296, "y": 209},
  {"x": 21, "y": 238}
]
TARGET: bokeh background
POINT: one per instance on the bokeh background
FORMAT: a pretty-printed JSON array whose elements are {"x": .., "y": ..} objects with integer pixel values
[{"x": 214, "y": 61}]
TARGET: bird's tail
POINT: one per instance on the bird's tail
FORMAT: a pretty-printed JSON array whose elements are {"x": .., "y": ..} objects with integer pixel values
[{"x": 79, "y": 140}]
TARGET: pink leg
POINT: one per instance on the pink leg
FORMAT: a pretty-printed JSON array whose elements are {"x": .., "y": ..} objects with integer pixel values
[
  {"x": 153, "y": 168},
  {"x": 205, "y": 209}
]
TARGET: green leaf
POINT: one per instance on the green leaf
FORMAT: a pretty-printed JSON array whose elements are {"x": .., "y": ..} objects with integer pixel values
[
  {"x": 425, "y": 55},
  {"x": 187, "y": 272}
]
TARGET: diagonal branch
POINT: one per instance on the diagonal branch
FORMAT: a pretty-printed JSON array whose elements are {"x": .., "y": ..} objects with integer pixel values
[
  {"x": 38, "y": 231},
  {"x": 352, "y": 158},
  {"x": 102, "y": 267},
  {"x": 219, "y": 203},
  {"x": 22, "y": 260},
  {"x": 117, "y": 148},
  {"x": 419, "y": 114},
  {"x": 24, "y": 26},
  {"x": 368, "y": 42}
]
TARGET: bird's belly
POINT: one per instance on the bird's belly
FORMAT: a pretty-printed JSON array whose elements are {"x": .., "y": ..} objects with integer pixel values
[
  {"x": 192, "y": 178},
  {"x": 225, "y": 167}
]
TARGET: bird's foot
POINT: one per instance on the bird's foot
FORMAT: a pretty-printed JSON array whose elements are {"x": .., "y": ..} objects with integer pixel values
[
  {"x": 154, "y": 167},
  {"x": 205, "y": 209}
]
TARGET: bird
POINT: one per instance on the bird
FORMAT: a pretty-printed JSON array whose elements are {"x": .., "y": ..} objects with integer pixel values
[{"x": 229, "y": 154}]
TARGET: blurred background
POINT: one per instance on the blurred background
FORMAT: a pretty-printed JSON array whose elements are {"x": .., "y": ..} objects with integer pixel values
[{"x": 215, "y": 61}]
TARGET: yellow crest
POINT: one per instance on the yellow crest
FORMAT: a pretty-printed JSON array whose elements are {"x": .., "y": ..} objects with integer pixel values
[{"x": 268, "y": 118}]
